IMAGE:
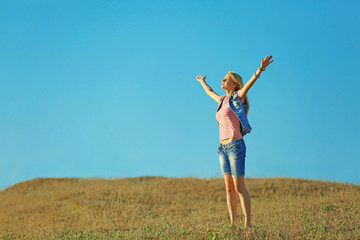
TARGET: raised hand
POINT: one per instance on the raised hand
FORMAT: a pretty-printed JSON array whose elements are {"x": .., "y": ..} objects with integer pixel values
[
  {"x": 266, "y": 62},
  {"x": 200, "y": 78}
]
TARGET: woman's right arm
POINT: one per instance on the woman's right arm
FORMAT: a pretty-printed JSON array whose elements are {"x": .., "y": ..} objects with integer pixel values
[{"x": 209, "y": 91}]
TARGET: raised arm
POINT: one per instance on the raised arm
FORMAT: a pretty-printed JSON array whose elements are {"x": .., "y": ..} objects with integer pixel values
[
  {"x": 209, "y": 91},
  {"x": 248, "y": 85}
]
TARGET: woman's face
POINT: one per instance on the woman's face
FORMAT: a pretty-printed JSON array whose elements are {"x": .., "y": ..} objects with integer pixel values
[{"x": 227, "y": 83}]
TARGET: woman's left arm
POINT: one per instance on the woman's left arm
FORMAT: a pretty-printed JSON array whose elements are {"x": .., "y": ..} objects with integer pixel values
[{"x": 248, "y": 85}]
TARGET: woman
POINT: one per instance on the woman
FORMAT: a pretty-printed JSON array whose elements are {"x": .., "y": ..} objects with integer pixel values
[{"x": 231, "y": 116}]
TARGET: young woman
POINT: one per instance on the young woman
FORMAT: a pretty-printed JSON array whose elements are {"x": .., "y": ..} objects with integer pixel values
[{"x": 233, "y": 124}]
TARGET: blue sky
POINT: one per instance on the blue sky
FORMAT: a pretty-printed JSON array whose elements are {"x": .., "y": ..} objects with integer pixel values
[{"x": 108, "y": 89}]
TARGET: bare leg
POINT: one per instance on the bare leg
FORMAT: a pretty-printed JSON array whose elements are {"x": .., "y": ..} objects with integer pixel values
[
  {"x": 239, "y": 183},
  {"x": 231, "y": 197}
]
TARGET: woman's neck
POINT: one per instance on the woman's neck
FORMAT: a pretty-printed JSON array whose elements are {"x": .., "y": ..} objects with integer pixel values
[{"x": 229, "y": 93}]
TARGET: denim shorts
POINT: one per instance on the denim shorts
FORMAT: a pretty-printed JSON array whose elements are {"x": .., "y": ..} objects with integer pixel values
[{"x": 232, "y": 157}]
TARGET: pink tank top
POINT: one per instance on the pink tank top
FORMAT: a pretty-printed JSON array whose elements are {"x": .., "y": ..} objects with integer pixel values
[{"x": 229, "y": 123}]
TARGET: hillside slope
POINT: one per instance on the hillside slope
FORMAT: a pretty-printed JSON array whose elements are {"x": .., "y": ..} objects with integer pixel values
[{"x": 182, "y": 208}]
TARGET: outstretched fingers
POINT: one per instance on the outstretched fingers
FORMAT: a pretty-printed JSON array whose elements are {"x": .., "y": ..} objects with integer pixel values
[
  {"x": 266, "y": 62},
  {"x": 200, "y": 77},
  {"x": 268, "y": 58}
]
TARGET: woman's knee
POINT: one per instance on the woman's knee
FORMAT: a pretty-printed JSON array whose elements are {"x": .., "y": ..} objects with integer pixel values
[
  {"x": 230, "y": 188},
  {"x": 239, "y": 184},
  {"x": 241, "y": 189}
]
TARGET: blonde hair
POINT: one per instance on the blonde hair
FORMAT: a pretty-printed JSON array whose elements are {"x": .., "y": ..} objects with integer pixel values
[{"x": 237, "y": 79}]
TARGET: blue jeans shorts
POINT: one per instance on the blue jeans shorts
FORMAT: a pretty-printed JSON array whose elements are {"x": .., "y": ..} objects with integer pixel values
[{"x": 232, "y": 157}]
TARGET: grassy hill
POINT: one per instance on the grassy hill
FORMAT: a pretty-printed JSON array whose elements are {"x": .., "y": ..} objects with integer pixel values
[{"x": 176, "y": 208}]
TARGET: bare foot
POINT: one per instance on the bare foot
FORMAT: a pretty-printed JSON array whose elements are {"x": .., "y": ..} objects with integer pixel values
[{"x": 247, "y": 227}]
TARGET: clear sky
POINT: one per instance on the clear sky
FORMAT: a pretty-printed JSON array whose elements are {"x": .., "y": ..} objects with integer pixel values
[{"x": 108, "y": 89}]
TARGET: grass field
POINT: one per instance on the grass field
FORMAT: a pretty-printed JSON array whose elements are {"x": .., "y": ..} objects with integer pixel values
[{"x": 176, "y": 208}]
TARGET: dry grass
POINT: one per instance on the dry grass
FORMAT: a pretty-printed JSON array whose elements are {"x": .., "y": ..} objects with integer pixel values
[{"x": 176, "y": 208}]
